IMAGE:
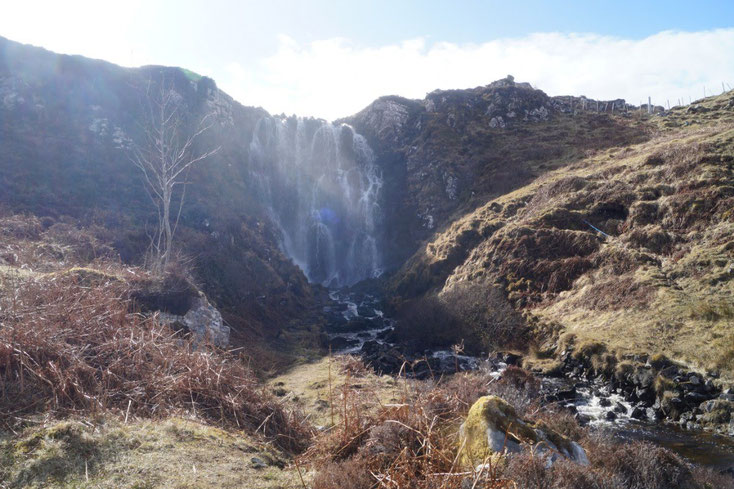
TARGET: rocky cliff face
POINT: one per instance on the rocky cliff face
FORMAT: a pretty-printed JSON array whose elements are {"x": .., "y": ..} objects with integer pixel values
[{"x": 455, "y": 149}]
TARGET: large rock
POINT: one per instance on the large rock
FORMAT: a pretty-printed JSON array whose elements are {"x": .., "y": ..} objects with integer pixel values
[
  {"x": 203, "y": 320},
  {"x": 492, "y": 427}
]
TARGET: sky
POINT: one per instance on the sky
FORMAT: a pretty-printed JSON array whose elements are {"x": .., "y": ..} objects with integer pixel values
[{"x": 330, "y": 59}]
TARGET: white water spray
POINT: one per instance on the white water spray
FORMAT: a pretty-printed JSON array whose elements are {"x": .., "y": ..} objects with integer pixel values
[{"x": 321, "y": 186}]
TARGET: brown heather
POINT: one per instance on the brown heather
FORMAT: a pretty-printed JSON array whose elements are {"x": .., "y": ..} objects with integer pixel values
[{"x": 68, "y": 345}]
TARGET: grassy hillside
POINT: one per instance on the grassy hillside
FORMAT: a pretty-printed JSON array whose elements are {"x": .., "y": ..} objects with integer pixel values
[{"x": 657, "y": 274}]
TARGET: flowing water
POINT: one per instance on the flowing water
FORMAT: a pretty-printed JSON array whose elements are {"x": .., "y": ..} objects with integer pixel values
[
  {"x": 321, "y": 186},
  {"x": 596, "y": 404}
]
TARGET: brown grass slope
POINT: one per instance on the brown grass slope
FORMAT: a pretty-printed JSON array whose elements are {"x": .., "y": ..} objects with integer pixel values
[{"x": 660, "y": 278}]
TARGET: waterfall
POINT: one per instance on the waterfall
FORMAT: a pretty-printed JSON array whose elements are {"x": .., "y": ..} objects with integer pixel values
[{"x": 321, "y": 186}]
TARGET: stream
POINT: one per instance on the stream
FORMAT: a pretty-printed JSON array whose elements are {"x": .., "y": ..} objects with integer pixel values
[{"x": 358, "y": 326}]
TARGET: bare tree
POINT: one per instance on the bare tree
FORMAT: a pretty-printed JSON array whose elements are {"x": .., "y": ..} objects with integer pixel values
[{"x": 165, "y": 156}]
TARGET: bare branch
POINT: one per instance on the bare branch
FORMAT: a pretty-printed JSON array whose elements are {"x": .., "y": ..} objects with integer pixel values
[{"x": 164, "y": 157}]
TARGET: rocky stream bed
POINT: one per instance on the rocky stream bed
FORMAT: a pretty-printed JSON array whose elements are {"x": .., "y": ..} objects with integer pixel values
[{"x": 625, "y": 406}]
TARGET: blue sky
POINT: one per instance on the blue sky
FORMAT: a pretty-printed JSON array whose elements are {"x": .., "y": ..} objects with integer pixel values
[
  {"x": 386, "y": 21},
  {"x": 331, "y": 58}
]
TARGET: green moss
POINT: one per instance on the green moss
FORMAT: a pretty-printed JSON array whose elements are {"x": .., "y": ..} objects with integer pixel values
[
  {"x": 492, "y": 415},
  {"x": 193, "y": 76},
  {"x": 486, "y": 412}
]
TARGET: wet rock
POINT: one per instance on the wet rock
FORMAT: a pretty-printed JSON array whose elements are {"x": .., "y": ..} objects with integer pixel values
[
  {"x": 427, "y": 368},
  {"x": 366, "y": 311},
  {"x": 643, "y": 377},
  {"x": 685, "y": 418},
  {"x": 339, "y": 306},
  {"x": 567, "y": 394},
  {"x": 373, "y": 347},
  {"x": 653, "y": 414},
  {"x": 604, "y": 402},
  {"x": 693, "y": 398},
  {"x": 645, "y": 395},
  {"x": 387, "y": 335},
  {"x": 620, "y": 408},
  {"x": 638, "y": 413},
  {"x": 717, "y": 412},
  {"x": 672, "y": 405},
  {"x": 381, "y": 357},
  {"x": 505, "y": 357},
  {"x": 610, "y": 416},
  {"x": 335, "y": 323},
  {"x": 670, "y": 372},
  {"x": 340, "y": 343},
  {"x": 355, "y": 325},
  {"x": 582, "y": 419}
]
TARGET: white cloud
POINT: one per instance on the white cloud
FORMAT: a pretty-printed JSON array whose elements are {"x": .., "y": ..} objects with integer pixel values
[
  {"x": 335, "y": 77},
  {"x": 89, "y": 27}
]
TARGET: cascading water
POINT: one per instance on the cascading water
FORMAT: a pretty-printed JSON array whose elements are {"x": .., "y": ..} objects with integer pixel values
[{"x": 321, "y": 186}]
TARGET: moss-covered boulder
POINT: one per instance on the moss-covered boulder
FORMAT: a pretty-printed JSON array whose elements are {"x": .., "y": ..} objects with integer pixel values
[{"x": 493, "y": 427}]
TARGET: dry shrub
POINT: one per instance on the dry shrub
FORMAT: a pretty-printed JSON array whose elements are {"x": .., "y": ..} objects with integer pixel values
[
  {"x": 620, "y": 260},
  {"x": 82, "y": 244},
  {"x": 694, "y": 208},
  {"x": 617, "y": 293},
  {"x": 425, "y": 322},
  {"x": 561, "y": 421},
  {"x": 486, "y": 314},
  {"x": 639, "y": 464},
  {"x": 69, "y": 347},
  {"x": 20, "y": 227},
  {"x": 411, "y": 443},
  {"x": 476, "y": 314},
  {"x": 562, "y": 187},
  {"x": 47, "y": 245},
  {"x": 532, "y": 472},
  {"x": 353, "y": 366},
  {"x": 349, "y": 474},
  {"x": 710, "y": 479},
  {"x": 651, "y": 238},
  {"x": 681, "y": 159},
  {"x": 519, "y": 387},
  {"x": 613, "y": 465},
  {"x": 538, "y": 261}
]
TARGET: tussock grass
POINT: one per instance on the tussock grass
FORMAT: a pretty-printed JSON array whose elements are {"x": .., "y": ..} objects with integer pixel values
[{"x": 105, "y": 453}]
